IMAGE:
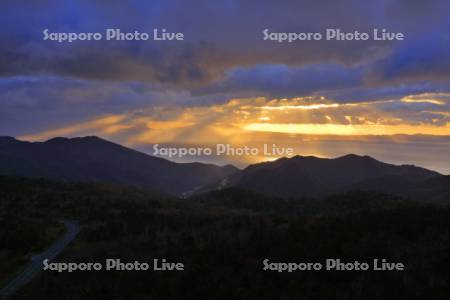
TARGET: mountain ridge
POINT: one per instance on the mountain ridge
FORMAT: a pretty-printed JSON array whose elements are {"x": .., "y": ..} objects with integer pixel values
[
  {"x": 312, "y": 176},
  {"x": 94, "y": 159}
]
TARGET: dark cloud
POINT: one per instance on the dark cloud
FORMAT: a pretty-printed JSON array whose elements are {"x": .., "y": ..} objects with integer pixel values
[
  {"x": 378, "y": 93},
  {"x": 45, "y": 83},
  {"x": 427, "y": 57},
  {"x": 223, "y": 40},
  {"x": 40, "y": 102},
  {"x": 285, "y": 81}
]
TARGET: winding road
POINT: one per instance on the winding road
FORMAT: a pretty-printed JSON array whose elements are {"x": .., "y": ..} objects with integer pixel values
[{"x": 35, "y": 266}]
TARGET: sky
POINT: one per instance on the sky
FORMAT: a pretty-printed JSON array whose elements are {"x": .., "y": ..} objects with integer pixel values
[{"x": 224, "y": 84}]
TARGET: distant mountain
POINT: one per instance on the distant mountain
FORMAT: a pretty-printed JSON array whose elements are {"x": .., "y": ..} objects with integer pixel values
[
  {"x": 312, "y": 176},
  {"x": 94, "y": 159}
]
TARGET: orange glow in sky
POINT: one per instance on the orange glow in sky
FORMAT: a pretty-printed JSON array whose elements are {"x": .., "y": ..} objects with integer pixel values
[{"x": 349, "y": 129}]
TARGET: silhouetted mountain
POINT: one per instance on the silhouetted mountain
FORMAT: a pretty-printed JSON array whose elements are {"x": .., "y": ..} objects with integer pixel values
[
  {"x": 312, "y": 176},
  {"x": 7, "y": 141},
  {"x": 95, "y": 159}
]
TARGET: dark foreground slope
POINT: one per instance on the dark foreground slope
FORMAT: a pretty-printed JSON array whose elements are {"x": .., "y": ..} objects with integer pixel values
[
  {"x": 95, "y": 159},
  {"x": 312, "y": 176},
  {"x": 223, "y": 239}
]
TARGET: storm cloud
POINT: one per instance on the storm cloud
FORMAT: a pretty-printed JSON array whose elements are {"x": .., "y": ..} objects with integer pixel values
[{"x": 224, "y": 41}]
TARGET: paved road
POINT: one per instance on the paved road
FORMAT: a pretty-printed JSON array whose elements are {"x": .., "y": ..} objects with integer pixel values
[{"x": 35, "y": 266}]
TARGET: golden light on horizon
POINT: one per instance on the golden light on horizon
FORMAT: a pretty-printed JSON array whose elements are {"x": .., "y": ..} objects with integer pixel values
[
  {"x": 237, "y": 119},
  {"x": 311, "y": 125},
  {"x": 349, "y": 129},
  {"x": 111, "y": 124},
  {"x": 305, "y": 107},
  {"x": 432, "y": 101},
  {"x": 431, "y": 98}
]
